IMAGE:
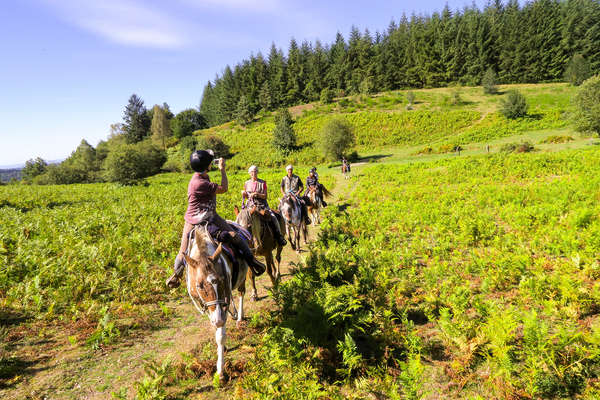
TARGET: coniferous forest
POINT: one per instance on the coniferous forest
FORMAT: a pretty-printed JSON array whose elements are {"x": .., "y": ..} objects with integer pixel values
[{"x": 527, "y": 43}]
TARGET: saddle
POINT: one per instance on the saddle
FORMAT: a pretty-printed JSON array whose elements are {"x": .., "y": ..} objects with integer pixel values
[{"x": 230, "y": 252}]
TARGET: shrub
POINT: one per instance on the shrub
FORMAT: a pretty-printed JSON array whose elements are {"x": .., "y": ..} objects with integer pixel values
[
  {"x": 130, "y": 163},
  {"x": 410, "y": 97},
  {"x": 336, "y": 137},
  {"x": 326, "y": 96},
  {"x": 367, "y": 86},
  {"x": 578, "y": 70},
  {"x": 514, "y": 105},
  {"x": 524, "y": 147},
  {"x": 557, "y": 139},
  {"x": 214, "y": 143},
  {"x": 488, "y": 81},
  {"x": 587, "y": 106}
]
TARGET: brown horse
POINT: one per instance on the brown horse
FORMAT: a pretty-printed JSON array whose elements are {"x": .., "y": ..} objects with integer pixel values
[
  {"x": 313, "y": 207},
  {"x": 264, "y": 241},
  {"x": 210, "y": 282}
]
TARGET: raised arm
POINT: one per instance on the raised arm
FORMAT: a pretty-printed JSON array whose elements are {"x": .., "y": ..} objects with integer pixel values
[{"x": 224, "y": 185}]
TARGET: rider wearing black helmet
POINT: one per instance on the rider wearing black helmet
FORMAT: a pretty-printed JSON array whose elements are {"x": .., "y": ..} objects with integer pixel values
[
  {"x": 313, "y": 181},
  {"x": 202, "y": 206}
]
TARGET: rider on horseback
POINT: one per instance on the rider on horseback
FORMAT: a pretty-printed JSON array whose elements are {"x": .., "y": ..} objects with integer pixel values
[
  {"x": 293, "y": 184},
  {"x": 312, "y": 181},
  {"x": 255, "y": 190},
  {"x": 202, "y": 205}
]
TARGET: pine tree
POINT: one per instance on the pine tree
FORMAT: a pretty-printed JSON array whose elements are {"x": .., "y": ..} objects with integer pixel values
[
  {"x": 243, "y": 114},
  {"x": 489, "y": 82},
  {"x": 265, "y": 98},
  {"x": 135, "y": 120},
  {"x": 284, "y": 138}
]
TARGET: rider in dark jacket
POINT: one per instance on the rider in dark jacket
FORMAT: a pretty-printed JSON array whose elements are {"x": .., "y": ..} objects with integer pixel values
[
  {"x": 313, "y": 181},
  {"x": 292, "y": 183}
]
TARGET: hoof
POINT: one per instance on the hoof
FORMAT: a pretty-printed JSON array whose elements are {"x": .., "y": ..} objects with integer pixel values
[{"x": 254, "y": 296}]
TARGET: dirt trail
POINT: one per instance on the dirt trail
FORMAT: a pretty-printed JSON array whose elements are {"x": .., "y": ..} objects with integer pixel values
[{"x": 76, "y": 372}]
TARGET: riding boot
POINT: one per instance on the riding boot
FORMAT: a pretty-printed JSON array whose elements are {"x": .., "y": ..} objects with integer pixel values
[
  {"x": 241, "y": 245},
  {"x": 178, "y": 266},
  {"x": 274, "y": 225}
]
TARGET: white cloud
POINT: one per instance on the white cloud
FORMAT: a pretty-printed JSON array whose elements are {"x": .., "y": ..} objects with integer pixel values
[{"x": 125, "y": 22}]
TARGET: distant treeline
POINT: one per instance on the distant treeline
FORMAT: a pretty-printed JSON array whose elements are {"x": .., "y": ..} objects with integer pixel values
[
  {"x": 522, "y": 44},
  {"x": 6, "y": 175}
]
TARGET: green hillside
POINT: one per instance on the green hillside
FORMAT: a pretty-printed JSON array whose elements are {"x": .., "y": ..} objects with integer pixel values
[{"x": 383, "y": 121}]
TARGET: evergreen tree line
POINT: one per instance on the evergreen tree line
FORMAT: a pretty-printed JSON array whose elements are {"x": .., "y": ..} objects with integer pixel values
[{"x": 521, "y": 44}]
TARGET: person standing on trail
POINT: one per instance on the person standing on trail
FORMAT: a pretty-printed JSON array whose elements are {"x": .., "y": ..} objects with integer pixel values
[
  {"x": 312, "y": 181},
  {"x": 292, "y": 183},
  {"x": 255, "y": 190},
  {"x": 202, "y": 209}
]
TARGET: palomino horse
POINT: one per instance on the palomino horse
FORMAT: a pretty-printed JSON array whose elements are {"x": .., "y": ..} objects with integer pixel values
[
  {"x": 315, "y": 205},
  {"x": 210, "y": 283},
  {"x": 264, "y": 241},
  {"x": 291, "y": 211}
]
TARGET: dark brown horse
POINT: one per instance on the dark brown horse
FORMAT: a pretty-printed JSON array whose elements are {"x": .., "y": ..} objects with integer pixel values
[{"x": 264, "y": 241}]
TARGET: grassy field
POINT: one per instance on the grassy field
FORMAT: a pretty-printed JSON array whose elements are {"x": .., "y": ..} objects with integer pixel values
[
  {"x": 435, "y": 274},
  {"x": 382, "y": 121}
]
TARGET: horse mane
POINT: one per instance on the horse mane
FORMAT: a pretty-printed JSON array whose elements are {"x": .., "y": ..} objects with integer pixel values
[{"x": 200, "y": 238}]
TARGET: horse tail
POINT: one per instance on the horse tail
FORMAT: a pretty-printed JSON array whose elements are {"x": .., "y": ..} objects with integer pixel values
[{"x": 326, "y": 193}]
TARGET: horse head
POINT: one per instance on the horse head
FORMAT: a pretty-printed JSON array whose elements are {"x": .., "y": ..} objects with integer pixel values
[{"x": 207, "y": 282}]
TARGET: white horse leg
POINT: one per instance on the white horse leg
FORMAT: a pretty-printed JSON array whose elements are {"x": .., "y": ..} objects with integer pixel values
[
  {"x": 241, "y": 309},
  {"x": 220, "y": 339}
]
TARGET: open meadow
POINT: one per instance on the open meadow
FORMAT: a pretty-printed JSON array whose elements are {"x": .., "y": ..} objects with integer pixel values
[{"x": 450, "y": 265}]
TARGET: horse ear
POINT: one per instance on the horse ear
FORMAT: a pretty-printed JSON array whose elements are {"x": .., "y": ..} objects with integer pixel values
[
  {"x": 236, "y": 210},
  {"x": 217, "y": 253}
]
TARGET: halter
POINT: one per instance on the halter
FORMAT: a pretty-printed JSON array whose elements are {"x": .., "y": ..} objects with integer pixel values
[{"x": 203, "y": 308}]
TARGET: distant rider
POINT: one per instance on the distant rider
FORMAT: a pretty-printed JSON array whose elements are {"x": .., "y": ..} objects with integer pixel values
[
  {"x": 312, "y": 181},
  {"x": 202, "y": 206},
  {"x": 293, "y": 184},
  {"x": 255, "y": 190}
]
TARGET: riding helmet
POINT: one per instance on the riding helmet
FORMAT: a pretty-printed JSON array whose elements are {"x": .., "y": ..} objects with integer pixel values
[{"x": 200, "y": 160}]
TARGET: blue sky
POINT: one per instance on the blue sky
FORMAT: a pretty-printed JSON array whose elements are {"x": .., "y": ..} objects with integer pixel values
[{"x": 67, "y": 67}]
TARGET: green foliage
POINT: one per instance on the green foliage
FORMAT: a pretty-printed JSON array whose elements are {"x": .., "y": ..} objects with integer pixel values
[
  {"x": 33, "y": 168},
  {"x": 514, "y": 105},
  {"x": 284, "y": 137},
  {"x": 243, "y": 113},
  {"x": 336, "y": 138},
  {"x": 160, "y": 128},
  {"x": 186, "y": 122},
  {"x": 556, "y": 139},
  {"x": 131, "y": 162},
  {"x": 326, "y": 96},
  {"x": 587, "y": 106},
  {"x": 489, "y": 81},
  {"x": 524, "y": 147},
  {"x": 105, "y": 332},
  {"x": 214, "y": 143},
  {"x": 136, "y": 122},
  {"x": 410, "y": 97},
  {"x": 578, "y": 70}
]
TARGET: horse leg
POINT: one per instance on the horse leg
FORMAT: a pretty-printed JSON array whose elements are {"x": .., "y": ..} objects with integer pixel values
[
  {"x": 270, "y": 267},
  {"x": 289, "y": 232},
  {"x": 220, "y": 339},
  {"x": 250, "y": 275},
  {"x": 242, "y": 292},
  {"x": 278, "y": 259}
]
